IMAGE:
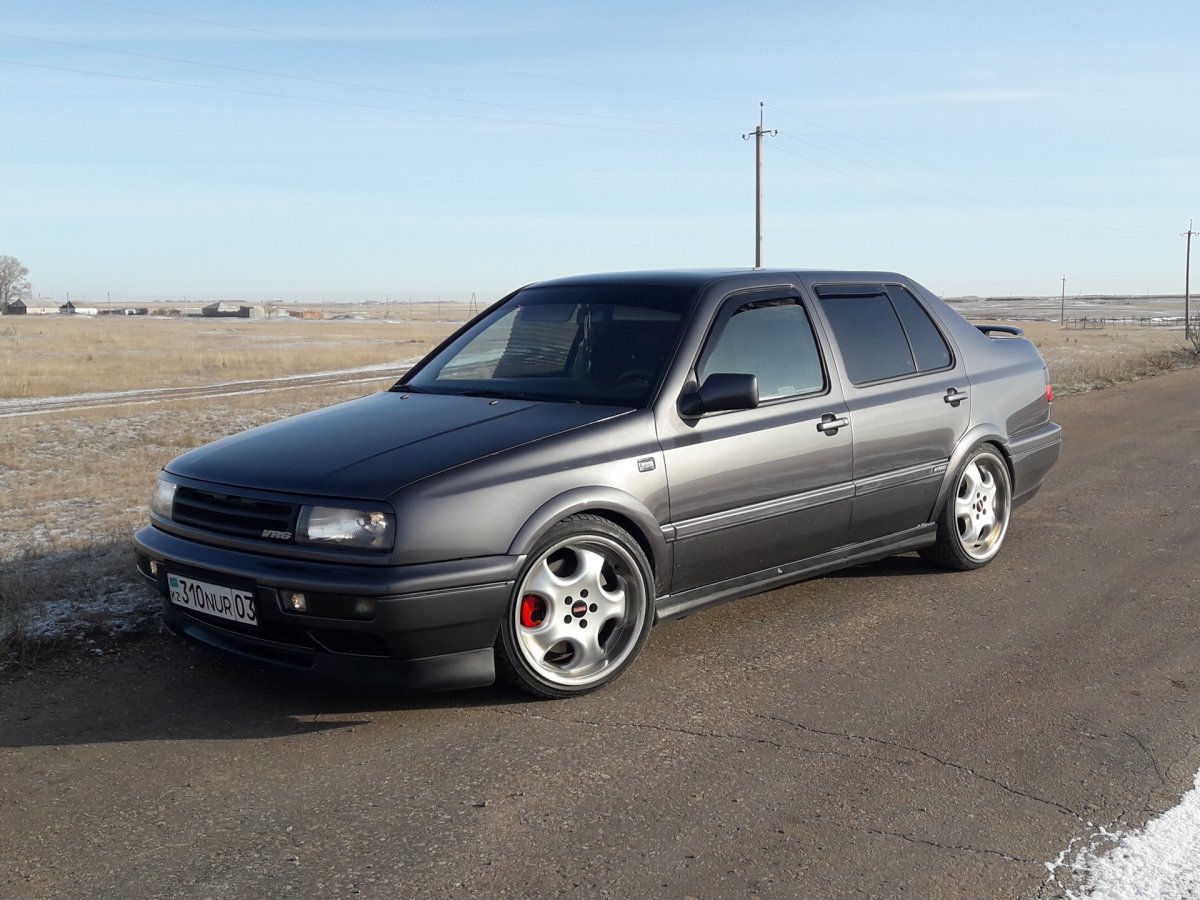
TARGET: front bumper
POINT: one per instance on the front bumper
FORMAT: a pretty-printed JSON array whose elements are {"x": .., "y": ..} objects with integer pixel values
[{"x": 434, "y": 625}]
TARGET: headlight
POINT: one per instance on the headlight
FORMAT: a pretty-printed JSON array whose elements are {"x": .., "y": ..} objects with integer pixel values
[
  {"x": 163, "y": 498},
  {"x": 367, "y": 528}
]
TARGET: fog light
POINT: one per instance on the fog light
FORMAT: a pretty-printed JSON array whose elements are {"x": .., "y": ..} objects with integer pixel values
[
  {"x": 154, "y": 568},
  {"x": 293, "y": 601},
  {"x": 364, "y": 607}
]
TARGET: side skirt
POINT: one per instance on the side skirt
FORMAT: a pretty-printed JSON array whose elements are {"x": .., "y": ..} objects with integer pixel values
[{"x": 673, "y": 606}]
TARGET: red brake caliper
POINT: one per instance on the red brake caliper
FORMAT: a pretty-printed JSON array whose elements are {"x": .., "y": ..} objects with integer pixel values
[{"x": 533, "y": 611}]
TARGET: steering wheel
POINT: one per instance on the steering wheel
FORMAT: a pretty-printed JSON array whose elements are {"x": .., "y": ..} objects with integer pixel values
[{"x": 636, "y": 376}]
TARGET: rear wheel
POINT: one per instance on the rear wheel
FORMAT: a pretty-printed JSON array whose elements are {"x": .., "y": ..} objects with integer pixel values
[
  {"x": 974, "y": 521},
  {"x": 581, "y": 611}
]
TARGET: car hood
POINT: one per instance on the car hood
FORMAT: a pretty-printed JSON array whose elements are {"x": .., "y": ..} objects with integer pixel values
[{"x": 371, "y": 447}]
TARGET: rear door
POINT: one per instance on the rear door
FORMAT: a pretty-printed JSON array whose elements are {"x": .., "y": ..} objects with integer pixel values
[
  {"x": 908, "y": 397},
  {"x": 758, "y": 488}
]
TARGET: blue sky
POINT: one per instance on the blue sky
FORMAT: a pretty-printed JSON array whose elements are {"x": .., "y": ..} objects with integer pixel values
[{"x": 359, "y": 150}]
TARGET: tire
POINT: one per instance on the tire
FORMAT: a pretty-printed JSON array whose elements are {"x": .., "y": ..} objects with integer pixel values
[
  {"x": 973, "y": 523},
  {"x": 580, "y": 613}
]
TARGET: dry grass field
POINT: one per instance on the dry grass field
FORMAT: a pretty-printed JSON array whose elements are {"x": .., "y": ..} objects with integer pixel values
[
  {"x": 1094, "y": 358},
  {"x": 51, "y": 356},
  {"x": 74, "y": 483}
]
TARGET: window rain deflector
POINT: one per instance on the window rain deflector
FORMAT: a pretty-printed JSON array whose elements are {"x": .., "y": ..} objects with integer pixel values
[{"x": 832, "y": 291}]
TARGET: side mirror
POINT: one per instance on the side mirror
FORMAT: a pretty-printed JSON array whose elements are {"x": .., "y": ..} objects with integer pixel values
[{"x": 721, "y": 392}]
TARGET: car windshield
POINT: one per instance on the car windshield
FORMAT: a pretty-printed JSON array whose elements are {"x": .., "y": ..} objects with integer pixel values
[{"x": 607, "y": 345}]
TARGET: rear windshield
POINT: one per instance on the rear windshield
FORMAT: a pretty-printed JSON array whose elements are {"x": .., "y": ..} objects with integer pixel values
[{"x": 606, "y": 345}]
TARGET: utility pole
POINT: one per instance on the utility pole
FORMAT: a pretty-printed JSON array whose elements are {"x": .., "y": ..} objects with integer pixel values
[
  {"x": 1187, "y": 285},
  {"x": 758, "y": 136},
  {"x": 1062, "y": 309}
]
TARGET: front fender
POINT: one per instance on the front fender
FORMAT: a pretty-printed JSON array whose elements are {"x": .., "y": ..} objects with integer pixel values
[{"x": 611, "y": 503}]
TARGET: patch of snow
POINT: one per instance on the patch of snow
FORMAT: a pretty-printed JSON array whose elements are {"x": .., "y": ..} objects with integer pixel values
[
  {"x": 1160, "y": 861},
  {"x": 120, "y": 608}
]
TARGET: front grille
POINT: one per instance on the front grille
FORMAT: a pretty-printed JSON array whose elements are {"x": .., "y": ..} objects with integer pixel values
[{"x": 226, "y": 514}]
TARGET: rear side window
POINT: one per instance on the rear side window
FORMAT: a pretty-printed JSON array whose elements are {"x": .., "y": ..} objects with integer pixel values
[
  {"x": 772, "y": 340},
  {"x": 883, "y": 332},
  {"x": 929, "y": 347}
]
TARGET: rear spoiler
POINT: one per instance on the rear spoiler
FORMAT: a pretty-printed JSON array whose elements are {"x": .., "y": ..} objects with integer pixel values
[{"x": 1003, "y": 329}]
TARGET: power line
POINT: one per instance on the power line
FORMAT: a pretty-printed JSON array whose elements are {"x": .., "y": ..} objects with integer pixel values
[
  {"x": 354, "y": 86},
  {"x": 951, "y": 172},
  {"x": 970, "y": 197},
  {"x": 348, "y": 103},
  {"x": 894, "y": 189},
  {"x": 363, "y": 48},
  {"x": 936, "y": 202}
]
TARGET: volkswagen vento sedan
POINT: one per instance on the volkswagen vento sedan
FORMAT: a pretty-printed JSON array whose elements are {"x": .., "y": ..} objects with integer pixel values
[{"x": 596, "y": 454}]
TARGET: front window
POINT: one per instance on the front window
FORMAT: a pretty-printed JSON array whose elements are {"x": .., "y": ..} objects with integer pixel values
[
  {"x": 604, "y": 344},
  {"x": 772, "y": 340}
]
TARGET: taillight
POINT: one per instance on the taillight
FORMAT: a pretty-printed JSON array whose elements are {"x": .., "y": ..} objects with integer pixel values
[{"x": 1049, "y": 392}]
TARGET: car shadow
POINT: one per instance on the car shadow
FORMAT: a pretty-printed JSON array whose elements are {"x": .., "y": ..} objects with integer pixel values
[
  {"x": 161, "y": 688},
  {"x": 908, "y": 564},
  {"x": 106, "y": 669},
  {"x": 158, "y": 687}
]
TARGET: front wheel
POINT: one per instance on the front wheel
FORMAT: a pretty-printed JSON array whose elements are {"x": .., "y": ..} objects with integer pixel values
[
  {"x": 581, "y": 611},
  {"x": 974, "y": 521}
]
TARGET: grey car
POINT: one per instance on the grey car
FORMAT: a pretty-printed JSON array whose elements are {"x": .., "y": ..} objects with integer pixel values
[{"x": 593, "y": 455}]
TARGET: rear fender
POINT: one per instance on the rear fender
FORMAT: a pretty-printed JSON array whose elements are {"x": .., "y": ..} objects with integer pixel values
[{"x": 983, "y": 433}]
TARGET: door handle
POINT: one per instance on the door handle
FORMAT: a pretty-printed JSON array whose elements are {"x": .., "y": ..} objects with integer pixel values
[
  {"x": 830, "y": 423},
  {"x": 954, "y": 396}
]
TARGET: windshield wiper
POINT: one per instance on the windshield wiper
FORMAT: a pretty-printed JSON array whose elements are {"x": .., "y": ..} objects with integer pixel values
[
  {"x": 491, "y": 394},
  {"x": 498, "y": 395}
]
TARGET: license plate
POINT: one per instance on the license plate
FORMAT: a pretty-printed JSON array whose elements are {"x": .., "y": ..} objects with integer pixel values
[{"x": 212, "y": 599}]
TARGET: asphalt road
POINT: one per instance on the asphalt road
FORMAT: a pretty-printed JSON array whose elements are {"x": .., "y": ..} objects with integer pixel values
[{"x": 889, "y": 731}]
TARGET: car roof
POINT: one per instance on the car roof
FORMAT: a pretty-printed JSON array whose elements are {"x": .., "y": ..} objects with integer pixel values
[{"x": 700, "y": 278}]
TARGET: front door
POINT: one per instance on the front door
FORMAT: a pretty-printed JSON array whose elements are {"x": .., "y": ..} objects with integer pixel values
[{"x": 755, "y": 489}]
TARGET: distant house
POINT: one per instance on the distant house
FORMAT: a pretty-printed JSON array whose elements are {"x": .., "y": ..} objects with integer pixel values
[
  {"x": 70, "y": 309},
  {"x": 30, "y": 308},
  {"x": 306, "y": 314},
  {"x": 226, "y": 309}
]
